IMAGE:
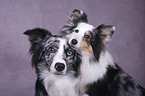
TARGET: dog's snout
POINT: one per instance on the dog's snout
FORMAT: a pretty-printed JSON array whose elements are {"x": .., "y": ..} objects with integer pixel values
[
  {"x": 74, "y": 41},
  {"x": 59, "y": 67}
]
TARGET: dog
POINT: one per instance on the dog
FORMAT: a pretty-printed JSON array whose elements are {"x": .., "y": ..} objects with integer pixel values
[
  {"x": 99, "y": 74},
  {"x": 56, "y": 64}
]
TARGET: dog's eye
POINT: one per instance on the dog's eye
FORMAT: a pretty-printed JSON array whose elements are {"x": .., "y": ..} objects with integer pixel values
[
  {"x": 70, "y": 52},
  {"x": 76, "y": 30},
  {"x": 87, "y": 36},
  {"x": 51, "y": 49}
]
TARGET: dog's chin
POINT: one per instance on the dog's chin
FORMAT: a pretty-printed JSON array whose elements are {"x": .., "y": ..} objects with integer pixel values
[{"x": 59, "y": 73}]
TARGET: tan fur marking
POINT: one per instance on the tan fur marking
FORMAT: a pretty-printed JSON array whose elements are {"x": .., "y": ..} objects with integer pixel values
[
  {"x": 88, "y": 33},
  {"x": 86, "y": 48},
  {"x": 85, "y": 89}
]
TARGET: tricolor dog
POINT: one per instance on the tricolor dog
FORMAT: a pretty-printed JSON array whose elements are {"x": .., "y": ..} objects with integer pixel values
[{"x": 99, "y": 74}]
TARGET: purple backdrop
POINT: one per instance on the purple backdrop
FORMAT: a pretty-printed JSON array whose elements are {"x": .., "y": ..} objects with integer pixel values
[{"x": 17, "y": 77}]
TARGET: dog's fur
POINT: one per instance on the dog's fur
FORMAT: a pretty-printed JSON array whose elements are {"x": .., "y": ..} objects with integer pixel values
[
  {"x": 100, "y": 76},
  {"x": 47, "y": 51}
]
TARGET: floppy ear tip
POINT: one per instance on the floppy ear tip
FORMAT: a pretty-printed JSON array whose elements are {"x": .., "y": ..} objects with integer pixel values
[
  {"x": 26, "y": 33},
  {"x": 113, "y": 28}
]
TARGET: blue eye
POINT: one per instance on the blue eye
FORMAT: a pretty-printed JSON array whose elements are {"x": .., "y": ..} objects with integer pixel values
[{"x": 70, "y": 52}]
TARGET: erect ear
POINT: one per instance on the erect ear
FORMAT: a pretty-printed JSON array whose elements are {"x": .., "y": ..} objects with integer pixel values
[
  {"x": 105, "y": 32},
  {"x": 37, "y": 35},
  {"x": 78, "y": 16}
]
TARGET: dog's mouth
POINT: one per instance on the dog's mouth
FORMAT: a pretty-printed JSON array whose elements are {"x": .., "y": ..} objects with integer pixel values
[{"x": 59, "y": 73}]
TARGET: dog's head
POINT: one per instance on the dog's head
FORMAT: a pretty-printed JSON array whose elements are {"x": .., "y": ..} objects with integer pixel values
[
  {"x": 52, "y": 53},
  {"x": 86, "y": 37}
]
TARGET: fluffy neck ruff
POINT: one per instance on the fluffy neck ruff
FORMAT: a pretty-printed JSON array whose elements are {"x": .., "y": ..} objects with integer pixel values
[{"x": 60, "y": 85}]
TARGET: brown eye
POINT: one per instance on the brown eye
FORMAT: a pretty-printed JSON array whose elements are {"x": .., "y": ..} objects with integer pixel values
[
  {"x": 51, "y": 49},
  {"x": 76, "y": 30},
  {"x": 87, "y": 36}
]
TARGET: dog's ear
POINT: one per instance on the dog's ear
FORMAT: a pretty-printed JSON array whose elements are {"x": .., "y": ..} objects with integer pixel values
[
  {"x": 101, "y": 36},
  {"x": 37, "y": 35},
  {"x": 78, "y": 16},
  {"x": 105, "y": 32}
]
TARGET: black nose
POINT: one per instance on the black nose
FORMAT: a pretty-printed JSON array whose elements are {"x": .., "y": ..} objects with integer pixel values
[
  {"x": 59, "y": 67},
  {"x": 74, "y": 41}
]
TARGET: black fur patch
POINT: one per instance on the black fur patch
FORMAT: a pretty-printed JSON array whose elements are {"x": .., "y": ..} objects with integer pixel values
[{"x": 115, "y": 83}]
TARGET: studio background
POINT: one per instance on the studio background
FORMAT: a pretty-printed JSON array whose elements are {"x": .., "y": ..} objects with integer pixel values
[{"x": 17, "y": 77}]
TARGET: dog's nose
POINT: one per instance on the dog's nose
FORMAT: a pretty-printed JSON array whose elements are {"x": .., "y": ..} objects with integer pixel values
[
  {"x": 74, "y": 41},
  {"x": 59, "y": 67}
]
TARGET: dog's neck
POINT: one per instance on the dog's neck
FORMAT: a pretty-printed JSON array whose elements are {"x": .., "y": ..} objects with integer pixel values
[{"x": 60, "y": 85}]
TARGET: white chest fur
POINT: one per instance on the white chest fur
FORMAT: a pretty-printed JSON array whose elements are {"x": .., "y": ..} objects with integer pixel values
[
  {"x": 60, "y": 85},
  {"x": 91, "y": 71}
]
